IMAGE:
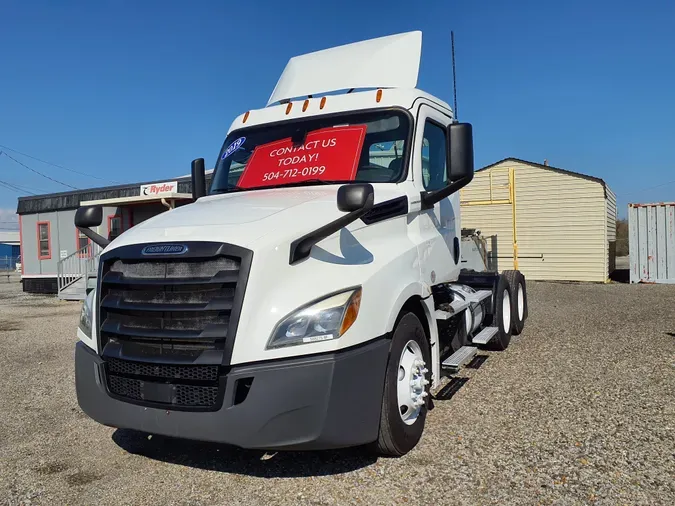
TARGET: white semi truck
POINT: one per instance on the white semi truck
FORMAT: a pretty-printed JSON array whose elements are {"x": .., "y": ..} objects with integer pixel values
[{"x": 316, "y": 296}]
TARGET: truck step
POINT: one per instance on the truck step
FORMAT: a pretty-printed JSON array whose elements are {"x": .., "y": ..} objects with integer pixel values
[
  {"x": 484, "y": 336},
  {"x": 459, "y": 358},
  {"x": 479, "y": 296},
  {"x": 447, "y": 310}
]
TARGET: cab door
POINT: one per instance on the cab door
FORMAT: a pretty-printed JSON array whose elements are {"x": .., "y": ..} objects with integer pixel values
[{"x": 439, "y": 226}]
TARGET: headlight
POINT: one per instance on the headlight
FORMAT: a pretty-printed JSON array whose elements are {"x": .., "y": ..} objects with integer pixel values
[
  {"x": 323, "y": 320},
  {"x": 85, "y": 315}
]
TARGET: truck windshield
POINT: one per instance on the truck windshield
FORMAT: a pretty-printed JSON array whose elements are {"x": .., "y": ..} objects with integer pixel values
[{"x": 366, "y": 147}]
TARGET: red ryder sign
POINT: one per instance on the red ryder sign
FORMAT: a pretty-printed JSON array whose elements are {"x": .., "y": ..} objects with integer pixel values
[
  {"x": 159, "y": 189},
  {"x": 329, "y": 154}
]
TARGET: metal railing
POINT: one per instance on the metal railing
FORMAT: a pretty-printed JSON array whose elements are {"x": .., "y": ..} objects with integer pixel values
[{"x": 78, "y": 265}]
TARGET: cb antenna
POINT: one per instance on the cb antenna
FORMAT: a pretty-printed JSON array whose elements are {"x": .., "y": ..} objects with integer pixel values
[{"x": 454, "y": 80}]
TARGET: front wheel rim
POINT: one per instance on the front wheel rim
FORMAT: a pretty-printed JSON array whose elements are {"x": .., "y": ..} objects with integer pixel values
[{"x": 411, "y": 383}]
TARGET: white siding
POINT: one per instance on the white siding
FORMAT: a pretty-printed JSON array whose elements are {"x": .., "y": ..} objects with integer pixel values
[
  {"x": 611, "y": 215},
  {"x": 561, "y": 222},
  {"x": 610, "y": 212}
]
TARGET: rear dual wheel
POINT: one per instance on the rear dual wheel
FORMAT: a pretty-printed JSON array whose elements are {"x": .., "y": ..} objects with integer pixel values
[
  {"x": 518, "y": 294},
  {"x": 502, "y": 314}
]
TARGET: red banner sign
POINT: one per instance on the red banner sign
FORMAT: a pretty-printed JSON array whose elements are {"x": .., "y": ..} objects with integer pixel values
[{"x": 330, "y": 154}]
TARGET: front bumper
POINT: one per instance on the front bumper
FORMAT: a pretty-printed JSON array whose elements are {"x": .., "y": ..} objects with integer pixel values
[{"x": 307, "y": 403}]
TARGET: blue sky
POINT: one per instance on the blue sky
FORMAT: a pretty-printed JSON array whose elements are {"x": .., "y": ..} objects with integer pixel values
[{"x": 134, "y": 90}]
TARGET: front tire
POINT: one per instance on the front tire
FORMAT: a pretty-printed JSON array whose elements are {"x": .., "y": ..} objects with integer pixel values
[{"x": 406, "y": 389}]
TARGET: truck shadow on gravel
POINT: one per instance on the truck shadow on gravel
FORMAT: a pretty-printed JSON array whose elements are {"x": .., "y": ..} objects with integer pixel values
[{"x": 228, "y": 459}]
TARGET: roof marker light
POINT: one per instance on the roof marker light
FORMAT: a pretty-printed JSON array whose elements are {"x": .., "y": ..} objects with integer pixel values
[
  {"x": 289, "y": 107},
  {"x": 246, "y": 116},
  {"x": 323, "y": 102},
  {"x": 305, "y": 105},
  {"x": 378, "y": 96}
]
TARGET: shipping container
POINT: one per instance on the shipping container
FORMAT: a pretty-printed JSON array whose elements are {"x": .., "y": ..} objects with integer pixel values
[{"x": 651, "y": 242}]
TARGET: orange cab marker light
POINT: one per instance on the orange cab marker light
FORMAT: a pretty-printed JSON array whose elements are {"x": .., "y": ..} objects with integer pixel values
[
  {"x": 323, "y": 102},
  {"x": 305, "y": 105},
  {"x": 288, "y": 107},
  {"x": 246, "y": 116},
  {"x": 378, "y": 97}
]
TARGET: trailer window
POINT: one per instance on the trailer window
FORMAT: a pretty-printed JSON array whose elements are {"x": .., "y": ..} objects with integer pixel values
[
  {"x": 44, "y": 241},
  {"x": 375, "y": 155},
  {"x": 82, "y": 242},
  {"x": 114, "y": 227}
]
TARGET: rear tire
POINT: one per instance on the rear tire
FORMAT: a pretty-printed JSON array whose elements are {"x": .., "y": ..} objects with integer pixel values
[
  {"x": 502, "y": 314},
  {"x": 518, "y": 300},
  {"x": 402, "y": 423}
]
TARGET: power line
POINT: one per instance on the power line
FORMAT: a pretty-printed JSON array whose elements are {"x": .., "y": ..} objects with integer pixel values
[
  {"x": 10, "y": 186},
  {"x": 16, "y": 187},
  {"x": 37, "y": 172},
  {"x": 56, "y": 165},
  {"x": 650, "y": 188}
]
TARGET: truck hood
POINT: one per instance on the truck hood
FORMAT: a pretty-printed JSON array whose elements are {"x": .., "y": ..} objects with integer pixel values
[{"x": 249, "y": 217}]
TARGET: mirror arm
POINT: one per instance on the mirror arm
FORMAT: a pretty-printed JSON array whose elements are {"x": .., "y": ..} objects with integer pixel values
[
  {"x": 429, "y": 199},
  {"x": 98, "y": 239},
  {"x": 301, "y": 248}
]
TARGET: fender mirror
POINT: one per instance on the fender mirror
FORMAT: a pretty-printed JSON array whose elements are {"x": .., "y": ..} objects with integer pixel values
[
  {"x": 353, "y": 197},
  {"x": 90, "y": 216}
]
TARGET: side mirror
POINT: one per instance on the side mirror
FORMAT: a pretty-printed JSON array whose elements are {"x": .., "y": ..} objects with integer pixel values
[
  {"x": 353, "y": 197},
  {"x": 460, "y": 164},
  {"x": 461, "y": 151},
  {"x": 198, "y": 179},
  {"x": 91, "y": 216}
]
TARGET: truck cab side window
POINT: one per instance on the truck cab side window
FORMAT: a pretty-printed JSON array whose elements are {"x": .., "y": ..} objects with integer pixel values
[{"x": 434, "y": 159}]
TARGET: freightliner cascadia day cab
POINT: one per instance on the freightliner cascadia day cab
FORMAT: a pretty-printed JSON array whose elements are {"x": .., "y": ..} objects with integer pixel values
[{"x": 316, "y": 297}]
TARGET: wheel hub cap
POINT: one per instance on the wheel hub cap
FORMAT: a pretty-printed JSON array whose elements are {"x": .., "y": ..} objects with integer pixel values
[{"x": 412, "y": 383}]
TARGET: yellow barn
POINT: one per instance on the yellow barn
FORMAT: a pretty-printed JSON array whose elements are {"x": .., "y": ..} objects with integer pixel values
[{"x": 552, "y": 224}]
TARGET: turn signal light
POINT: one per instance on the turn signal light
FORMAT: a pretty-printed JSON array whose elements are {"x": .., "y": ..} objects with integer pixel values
[
  {"x": 323, "y": 103},
  {"x": 289, "y": 107},
  {"x": 246, "y": 116},
  {"x": 378, "y": 96},
  {"x": 351, "y": 313},
  {"x": 305, "y": 105}
]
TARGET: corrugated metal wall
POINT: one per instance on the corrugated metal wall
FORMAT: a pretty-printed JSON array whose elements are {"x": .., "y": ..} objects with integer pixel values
[
  {"x": 561, "y": 221},
  {"x": 651, "y": 240}
]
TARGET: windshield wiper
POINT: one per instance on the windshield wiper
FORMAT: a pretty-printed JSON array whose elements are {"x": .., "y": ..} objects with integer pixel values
[
  {"x": 306, "y": 182},
  {"x": 230, "y": 189}
]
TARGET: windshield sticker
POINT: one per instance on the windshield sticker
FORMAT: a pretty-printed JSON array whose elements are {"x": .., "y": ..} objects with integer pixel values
[
  {"x": 238, "y": 143},
  {"x": 329, "y": 154}
]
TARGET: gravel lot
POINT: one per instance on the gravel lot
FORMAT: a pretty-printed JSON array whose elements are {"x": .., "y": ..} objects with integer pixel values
[{"x": 579, "y": 410}]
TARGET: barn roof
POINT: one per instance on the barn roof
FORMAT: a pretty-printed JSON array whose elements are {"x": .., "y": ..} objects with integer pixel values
[{"x": 548, "y": 167}]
